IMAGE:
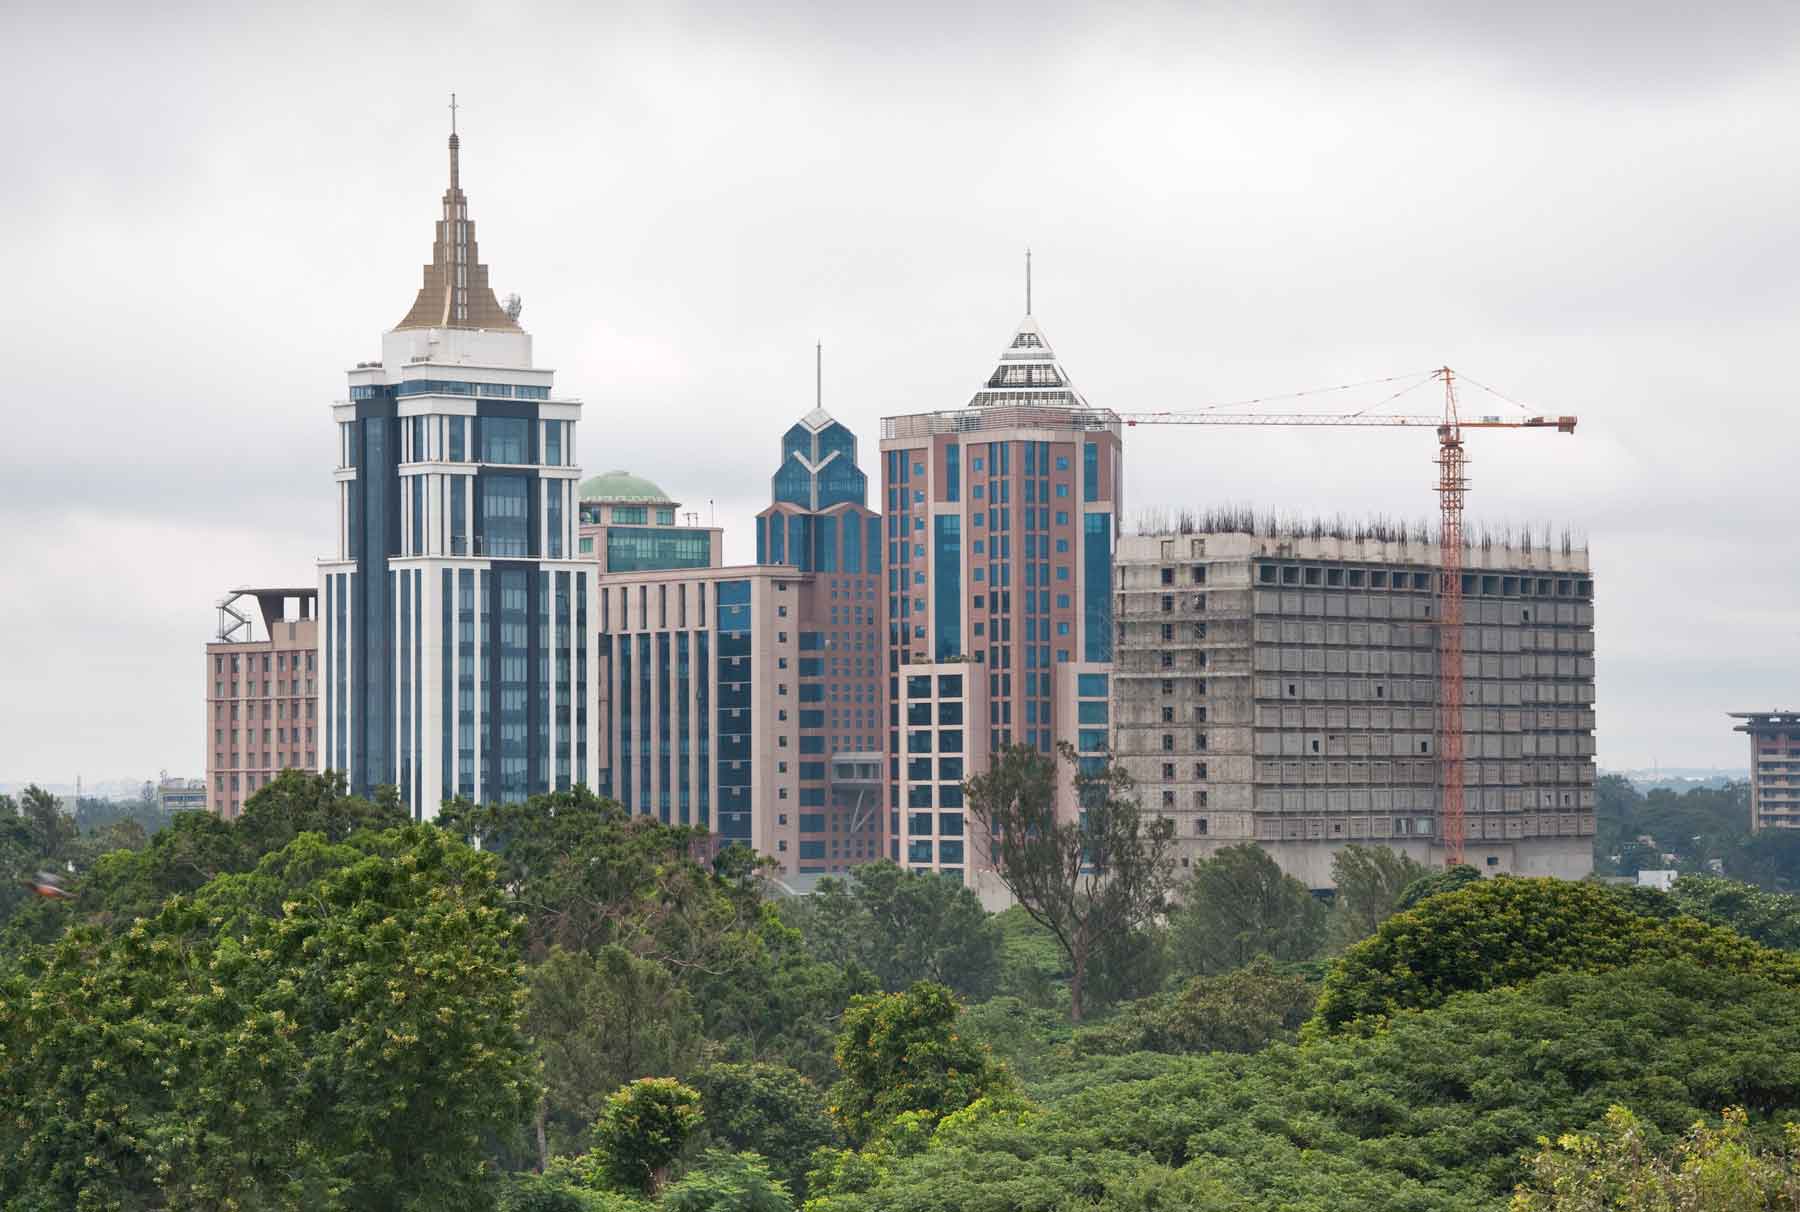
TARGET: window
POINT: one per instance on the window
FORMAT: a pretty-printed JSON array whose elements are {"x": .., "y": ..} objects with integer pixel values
[{"x": 505, "y": 439}]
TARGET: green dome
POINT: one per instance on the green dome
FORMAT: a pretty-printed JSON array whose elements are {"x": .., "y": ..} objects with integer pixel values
[{"x": 622, "y": 486}]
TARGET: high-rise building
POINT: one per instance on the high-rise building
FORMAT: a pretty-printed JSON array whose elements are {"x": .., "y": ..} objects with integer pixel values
[
  {"x": 457, "y": 628},
  {"x": 697, "y": 701},
  {"x": 1001, "y": 521},
  {"x": 819, "y": 522},
  {"x": 1282, "y": 689},
  {"x": 629, "y": 524},
  {"x": 261, "y": 702},
  {"x": 1774, "y": 767}
]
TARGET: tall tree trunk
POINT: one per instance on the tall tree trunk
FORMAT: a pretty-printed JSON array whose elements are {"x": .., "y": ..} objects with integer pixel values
[
  {"x": 1078, "y": 957},
  {"x": 543, "y": 1142}
]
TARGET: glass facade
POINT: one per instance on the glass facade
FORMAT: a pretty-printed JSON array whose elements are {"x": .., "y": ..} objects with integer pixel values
[
  {"x": 1096, "y": 588},
  {"x": 505, "y": 439},
  {"x": 646, "y": 549},
  {"x": 513, "y": 655},
  {"x": 947, "y": 587},
  {"x": 505, "y": 516},
  {"x": 734, "y": 681}
]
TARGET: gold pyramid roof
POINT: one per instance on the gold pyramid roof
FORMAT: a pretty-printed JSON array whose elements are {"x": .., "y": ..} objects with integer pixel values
[{"x": 456, "y": 293}]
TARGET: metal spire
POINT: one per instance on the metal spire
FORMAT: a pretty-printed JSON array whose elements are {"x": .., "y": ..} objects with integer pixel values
[
  {"x": 1028, "y": 279},
  {"x": 455, "y": 148}
]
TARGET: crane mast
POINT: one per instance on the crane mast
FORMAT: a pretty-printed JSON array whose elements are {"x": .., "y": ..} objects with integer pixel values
[{"x": 1452, "y": 488}]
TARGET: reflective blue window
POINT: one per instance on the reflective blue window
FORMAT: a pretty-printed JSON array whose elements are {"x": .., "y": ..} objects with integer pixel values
[
  {"x": 553, "y": 518},
  {"x": 1090, "y": 471},
  {"x": 514, "y": 662},
  {"x": 505, "y": 516},
  {"x": 646, "y": 549},
  {"x": 852, "y": 544},
  {"x": 505, "y": 440},
  {"x": 457, "y": 449},
  {"x": 1096, "y": 590},
  {"x": 459, "y": 515},
  {"x": 947, "y": 593},
  {"x": 1091, "y": 712},
  {"x": 826, "y": 533},
  {"x": 953, "y": 472}
]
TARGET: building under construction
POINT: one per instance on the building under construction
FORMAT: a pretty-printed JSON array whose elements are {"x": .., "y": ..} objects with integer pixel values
[{"x": 1280, "y": 684}]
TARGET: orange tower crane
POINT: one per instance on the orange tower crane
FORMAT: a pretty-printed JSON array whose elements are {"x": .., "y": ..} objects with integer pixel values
[{"x": 1452, "y": 489}]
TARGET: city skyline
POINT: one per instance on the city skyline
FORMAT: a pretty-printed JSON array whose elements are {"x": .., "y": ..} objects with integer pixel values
[{"x": 700, "y": 294}]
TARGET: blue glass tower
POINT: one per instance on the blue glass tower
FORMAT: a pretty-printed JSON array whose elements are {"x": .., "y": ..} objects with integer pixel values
[
  {"x": 455, "y": 632},
  {"x": 819, "y": 523}
]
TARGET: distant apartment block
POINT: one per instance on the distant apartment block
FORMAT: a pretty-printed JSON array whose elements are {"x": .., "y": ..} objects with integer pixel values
[
  {"x": 262, "y": 701},
  {"x": 1774, "y": 767},
  {"x": 1283, "y": 689},
  {"x": 628, "y": 524}
]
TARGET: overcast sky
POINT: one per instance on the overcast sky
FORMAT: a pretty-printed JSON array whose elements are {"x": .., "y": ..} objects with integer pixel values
[{"x": 210, "y": 212}]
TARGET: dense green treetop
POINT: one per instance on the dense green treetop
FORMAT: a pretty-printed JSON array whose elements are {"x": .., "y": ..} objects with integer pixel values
[
  {"x": 1504, "y": 931},
  {"x": 1431, "y": 1115},
  {"x": 338, "y": 1028},
  {"x": 903, "y": 926},
  {"x": 1238, "y": 905},
  {"x": 902, "y": 1052},
  {"x": 771, "y": 1110}
]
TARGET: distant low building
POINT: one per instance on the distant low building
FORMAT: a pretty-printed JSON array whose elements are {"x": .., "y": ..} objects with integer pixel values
[
  {"x": 1774, "y": 767},
  {"x": 181, "y": 795},
  {"x": 261, "y": 702}
]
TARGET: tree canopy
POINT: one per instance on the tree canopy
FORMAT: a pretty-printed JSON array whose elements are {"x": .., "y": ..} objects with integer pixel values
[{"x": 1099, "y": 876}]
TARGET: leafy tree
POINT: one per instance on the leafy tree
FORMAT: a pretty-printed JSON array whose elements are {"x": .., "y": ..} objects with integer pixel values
[
  {"x": 337, "y": 1029},
  {"x": 903, "y": 926},
  {"x": 1127, "y": 965},
  {"x": 727, "y": 1182},
  {"x": 1033, "y": 966},
  {"x": 1771, "y": 918},
  {"x": 1369, "y": 880},
  {"x": 901, "y": 1052},
  {"x": 1241, "y": 1010},
  {"x": 1238, "y": 905},
  {"x": 1503, "y": 931},
  {"x": 1434, "y": 883},
  {"x": 1101, "y": 875},
  {"x": 587, "y": 873},
  {"x": 769, "y": 1110},
  {"x": 1712, "y": 1170},
  {"x": 1431, "y": 1115},
  {"x": 196, "y": 847},
  {"x": 644, "y": 1129},
  {"x": 600, "y": 1021}
]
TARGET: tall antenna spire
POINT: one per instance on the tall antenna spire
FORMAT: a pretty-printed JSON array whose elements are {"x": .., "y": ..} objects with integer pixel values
[
  {"x": 1028, "y": 279},
  {"x": 455, "y": 147},
  {"x": 819, "y": 375}
]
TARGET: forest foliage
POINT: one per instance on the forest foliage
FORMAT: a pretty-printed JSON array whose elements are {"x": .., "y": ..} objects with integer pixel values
[{"x": 554, "y": 1005}]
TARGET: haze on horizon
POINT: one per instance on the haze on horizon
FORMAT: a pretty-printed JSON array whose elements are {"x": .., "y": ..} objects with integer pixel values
[{"x": 212, "y": 211}]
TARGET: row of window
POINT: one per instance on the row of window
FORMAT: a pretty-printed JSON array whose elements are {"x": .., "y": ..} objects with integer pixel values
[{"x": 1332, "y": 576}]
